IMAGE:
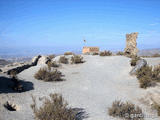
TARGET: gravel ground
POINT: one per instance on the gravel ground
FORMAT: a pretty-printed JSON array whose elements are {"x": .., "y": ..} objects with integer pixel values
[{"x": 93, "y": 86}]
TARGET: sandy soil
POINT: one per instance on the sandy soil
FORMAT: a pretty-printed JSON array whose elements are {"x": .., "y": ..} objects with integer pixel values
[{"x": 93, "y": 86}]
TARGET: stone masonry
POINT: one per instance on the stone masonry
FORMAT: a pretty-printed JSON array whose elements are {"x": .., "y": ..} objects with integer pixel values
[{"x": 131, "y": 44}]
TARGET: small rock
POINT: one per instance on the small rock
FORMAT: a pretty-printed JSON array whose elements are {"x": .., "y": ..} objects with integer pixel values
[{"x": 140, "y": 64}]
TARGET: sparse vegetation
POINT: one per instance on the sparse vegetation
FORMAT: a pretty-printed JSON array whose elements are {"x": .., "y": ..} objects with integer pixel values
[
  {"x": 76, "y": 59},
  {"x": 105, "y": 53},
  {"x": 126, "y": 111},
  {"x": 68, "y": 53},
  {"x": 134, "y": 60},
  {"x": 47, "y": 75},
  {"x": 95, "y": 53},
  {"x": 17, "y": 86},
  {"x": 63, "y": 60},
  {"x": 156, "y": 55},
  {"x": 148, "y": 75},
  {"x": 120, "y": 53},
  {"x": 52, "y": 64},
  {"x": 51, "y": 56},
  {"x": 157, "y": 107},
  {"x": 54, "y": 108}
]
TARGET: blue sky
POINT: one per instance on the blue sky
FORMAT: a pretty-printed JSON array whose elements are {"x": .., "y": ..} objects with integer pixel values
[{"x": 35, "y": 25}]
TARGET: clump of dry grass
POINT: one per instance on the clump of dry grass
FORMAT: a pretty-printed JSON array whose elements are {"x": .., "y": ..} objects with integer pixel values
[
  {"x": 68, "y": 53},
  {"x": 157, "y": 107},
  {"x": 156, "y": 55},
  {"x": 120, "y": 53},
  {"x": 76, "y": 59},
  {"x": 105, "y": 53},
  {"x": 54, "y": 108},
  {"x": 148, "y": 75},
  {"x": 63, "y": 60},
  {"x": 134, "y": 60},
  {"x": 95, "y": 53},
  {"x": 17, "y": 85},
  {"x": 52, "y": 64},
  {"x": 48, "y": 75},
  {"x": 51, "y": 56},
  {"x": 126, "y": 111}
]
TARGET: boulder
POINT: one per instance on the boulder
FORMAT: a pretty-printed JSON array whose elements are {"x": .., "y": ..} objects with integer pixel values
[
  {"x": 43, "y": 60},
  {"x": 140, "y": 63},
  {"x": 56, "y": 59}
]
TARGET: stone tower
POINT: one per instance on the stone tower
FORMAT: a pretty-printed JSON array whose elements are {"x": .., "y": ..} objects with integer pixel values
[{"x": 131, "y": 44}]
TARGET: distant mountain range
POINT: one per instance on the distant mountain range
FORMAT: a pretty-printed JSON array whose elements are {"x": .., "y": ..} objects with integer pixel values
[
  {"x": 4, "y": 62},
  {"x": 149, "y": 52}
]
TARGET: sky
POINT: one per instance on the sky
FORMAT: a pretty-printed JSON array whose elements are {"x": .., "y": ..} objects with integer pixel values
[{"x": 46, "y": 26}]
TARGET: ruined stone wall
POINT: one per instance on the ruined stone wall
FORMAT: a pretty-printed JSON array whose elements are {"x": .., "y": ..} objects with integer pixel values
[
  {"x": 90, "y": 50},
  {"x": 131, "y": 44}
]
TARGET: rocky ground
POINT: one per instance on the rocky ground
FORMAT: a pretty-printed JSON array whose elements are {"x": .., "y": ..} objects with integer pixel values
[{"x": 93, "y": 86}]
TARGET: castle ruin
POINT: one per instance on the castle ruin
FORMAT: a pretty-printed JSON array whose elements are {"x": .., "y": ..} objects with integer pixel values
[
  {"x": 131, "y": 44},
  {"x": 90, "y": 50}
]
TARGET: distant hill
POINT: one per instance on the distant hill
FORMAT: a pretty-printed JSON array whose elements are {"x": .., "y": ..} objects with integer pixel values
[
  {"x": 149, "y": 52},
  {"x": 4, "y": 62}
]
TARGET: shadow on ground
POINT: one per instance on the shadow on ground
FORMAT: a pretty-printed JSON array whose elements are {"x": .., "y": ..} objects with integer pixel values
[
  {"x": 80, "y": 113},
  {"x": 6, "y": 85}
]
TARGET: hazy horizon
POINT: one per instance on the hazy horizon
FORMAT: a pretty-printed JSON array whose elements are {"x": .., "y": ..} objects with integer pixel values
[{"x": 52, "y": 26}]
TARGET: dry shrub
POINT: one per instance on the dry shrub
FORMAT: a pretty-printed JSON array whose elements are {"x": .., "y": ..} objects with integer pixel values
[
  {"x": 68, "y": 53},
  {"x": 148, "y": 75},
  {"x": 126, "y": 111},
  {"x": 48, "y": 75},
  {"x": 54, "y": 108},
  {"x": 52, "y": 64},
  {"x": 95, "y": 53},
  {"x": 156, "y": 73},
  {"x": 157, "y": 107},
  {"x": 13, "y": 73},
  {"x": 76, "y": 59},
  {"x": 51, "y": 56},
  {"x": 134, "y": 60},
  {"x": 120, "y": 53},
  {"x": 17, "y": 86},
  {"x": 156, "y": 55},
  {"x": 105, "y": 53},
  {"x": 63, "y": 60}
]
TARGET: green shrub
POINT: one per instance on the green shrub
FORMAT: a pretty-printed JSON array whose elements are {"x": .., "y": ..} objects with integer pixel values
[
  {"x": 105, "y": 53},
  {"x": 68, "y": 53},
  {"x": 48, "y": 75},
  {"x": 76, "y": 59},
  {"x": 63, "y": 60},
  {"x": 134, "y": 60},
  {"x": 54, "y": 108},
  {"x": 120, "y": 53},
  {"x": 126, "y": 111}
]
